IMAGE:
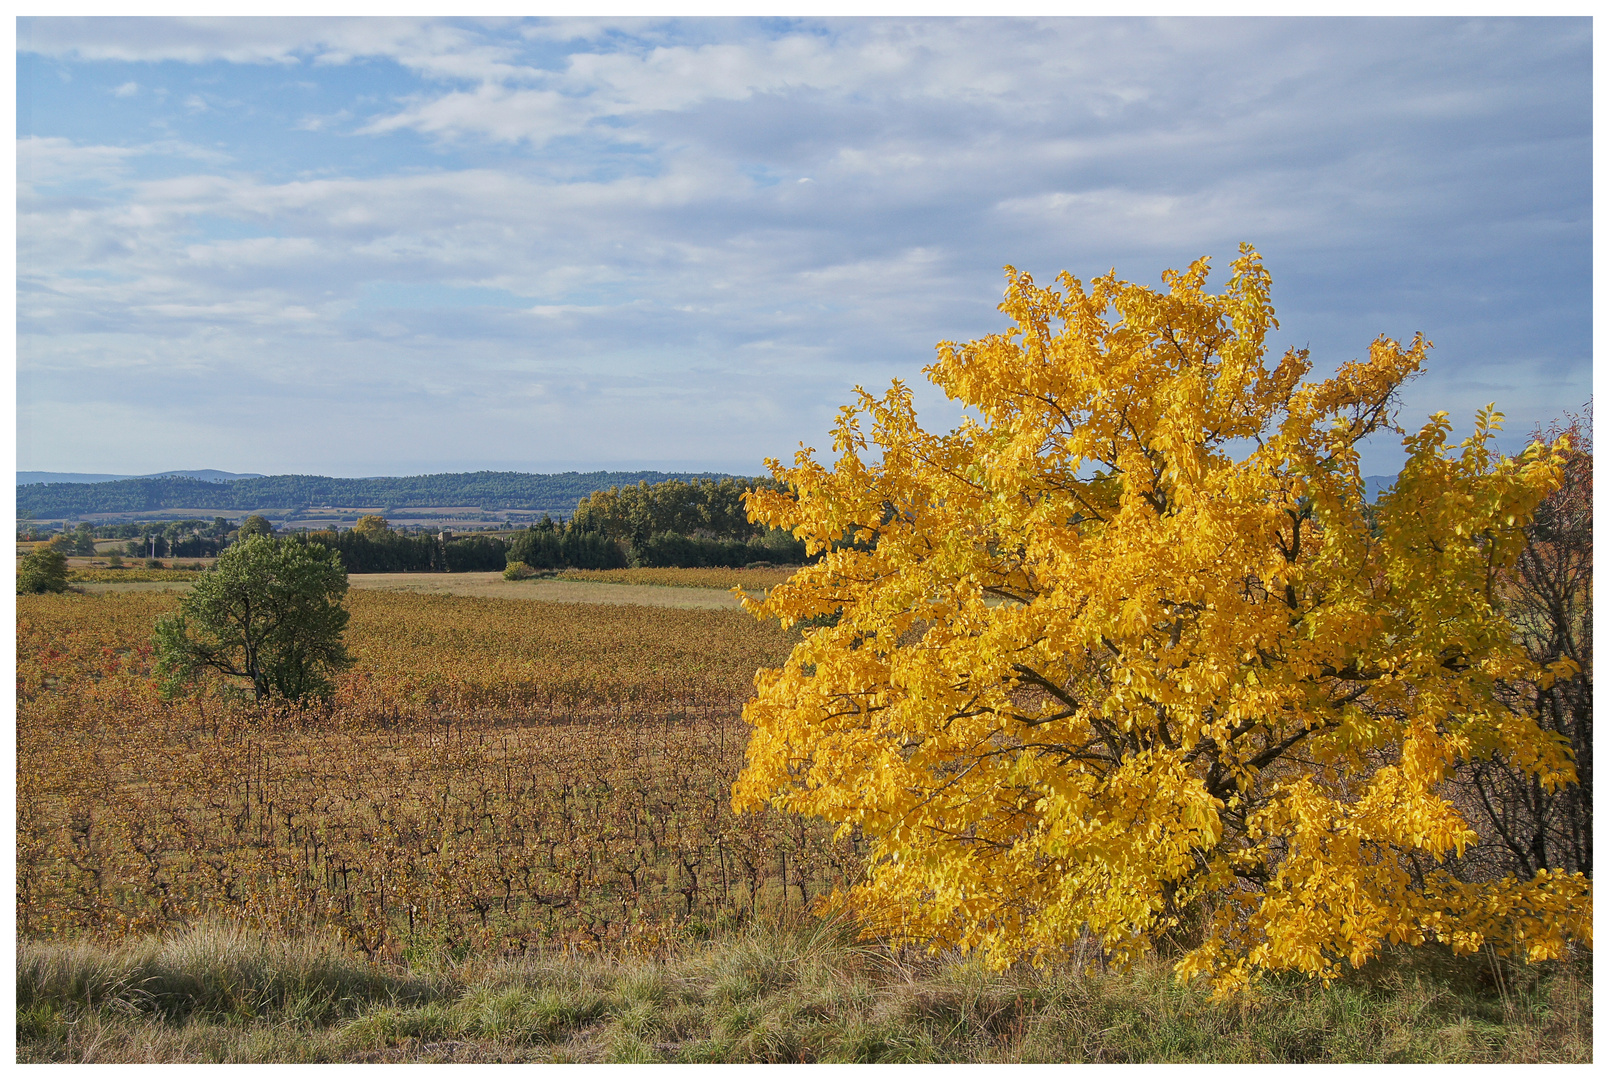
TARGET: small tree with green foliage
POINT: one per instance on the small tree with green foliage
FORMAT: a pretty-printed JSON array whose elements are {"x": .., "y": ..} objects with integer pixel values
[
  {"x": 44, "y": 569},
  {"x": 256, "y": 525},
  {"x": 268, "y": 612}
]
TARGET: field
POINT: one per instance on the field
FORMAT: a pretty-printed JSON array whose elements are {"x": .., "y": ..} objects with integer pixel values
[
  {"x": 509, "y": 838},
  {"x": 492, "y": 774},
  {"x": 755, "y": 579},
  {"x": 108, "y": 576},
  {"x": 555, "y": 590}
]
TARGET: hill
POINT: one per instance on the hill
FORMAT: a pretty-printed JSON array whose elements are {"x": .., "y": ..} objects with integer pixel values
[
  {"x": 34, "y": 477},
  {"x": 491, "y": 490}
]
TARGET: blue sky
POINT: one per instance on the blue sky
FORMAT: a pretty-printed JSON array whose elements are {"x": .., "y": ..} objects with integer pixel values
[{"x": 379, "y": 247}]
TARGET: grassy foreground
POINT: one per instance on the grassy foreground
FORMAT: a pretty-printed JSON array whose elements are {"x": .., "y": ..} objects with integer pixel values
[{"x": 806, "y": 993}]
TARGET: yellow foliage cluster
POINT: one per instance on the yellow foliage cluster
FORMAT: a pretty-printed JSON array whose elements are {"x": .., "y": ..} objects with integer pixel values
[
  {"x": 1130, "y": 656},
  {"x": 493, "y": 773}
]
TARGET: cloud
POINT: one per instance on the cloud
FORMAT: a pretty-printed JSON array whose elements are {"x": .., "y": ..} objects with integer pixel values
[
  {"x": 604, "y": 209},
  {"x": 49, "y": 159},
  {"x": 128, "y": 89},
  {"x": 437, "y": 48}
]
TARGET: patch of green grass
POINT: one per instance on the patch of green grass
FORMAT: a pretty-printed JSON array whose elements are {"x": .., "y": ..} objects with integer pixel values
[{"x": 766, "y": 994}]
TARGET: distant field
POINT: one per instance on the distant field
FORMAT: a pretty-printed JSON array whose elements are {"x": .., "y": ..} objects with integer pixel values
[
  {"x": 488, "y": 585},
  {"x": 704, "y": 589},
  {"x": 101, "y": 576},
  {"x": 491, "y": 584},
  {"x": 677, "y": 577}
]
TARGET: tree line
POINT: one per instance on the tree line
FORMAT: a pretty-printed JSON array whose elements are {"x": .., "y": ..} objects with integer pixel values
[
  {"x": 675, "y": 522},
  {"x": 190, "y": 539},
  {"x": 379, "y": 549},
  {"x": 374, "y": 547}
]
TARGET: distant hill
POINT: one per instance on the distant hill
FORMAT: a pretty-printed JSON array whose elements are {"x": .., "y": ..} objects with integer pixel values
[
  {"x": 97, "y": 478},
  {"x": 209, "y": 489},
  {"x": 491, "y": 490}
]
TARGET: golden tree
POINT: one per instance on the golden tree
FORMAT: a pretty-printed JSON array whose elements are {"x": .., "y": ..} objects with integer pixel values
[{"x": 1129, "y": 658}]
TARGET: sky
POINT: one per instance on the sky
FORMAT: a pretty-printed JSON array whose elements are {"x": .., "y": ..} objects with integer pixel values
[{"x": 361, "y": 247}]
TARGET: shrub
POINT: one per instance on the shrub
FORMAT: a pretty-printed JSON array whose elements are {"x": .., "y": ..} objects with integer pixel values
[{"x": 43, "y": 570}]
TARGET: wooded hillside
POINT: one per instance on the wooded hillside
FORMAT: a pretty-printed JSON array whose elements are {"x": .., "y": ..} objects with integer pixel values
[{"x": 492, "y": 490}]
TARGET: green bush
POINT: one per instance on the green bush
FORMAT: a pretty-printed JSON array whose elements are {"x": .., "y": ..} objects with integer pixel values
[
  {"x": 517, "y": 571},
  {"x": 43, "y": 570}
]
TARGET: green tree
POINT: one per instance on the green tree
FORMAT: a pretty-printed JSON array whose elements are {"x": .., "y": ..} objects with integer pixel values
[
  {"x": 269, "y": 612},
  {"x": 44, "y": 569},
  {"x": 82, "y": 539},
  {"x": 256, "y": 525}
]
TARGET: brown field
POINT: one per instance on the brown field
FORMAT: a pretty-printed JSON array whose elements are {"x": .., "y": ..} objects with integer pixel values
[
  {"x": 491, "y": 773},
  {"x": 551, "y": 590},
  {"x": 93, "y": 575},
  {"x": 757, "y": 579},
  {"x": 487, "y": 585}
]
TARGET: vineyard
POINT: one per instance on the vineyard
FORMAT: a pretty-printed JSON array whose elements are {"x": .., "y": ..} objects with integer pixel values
[
  {"x": 107, "y": 576},
  {"x": 756, "y": 579},
  {"x": 491, "y": 774}
]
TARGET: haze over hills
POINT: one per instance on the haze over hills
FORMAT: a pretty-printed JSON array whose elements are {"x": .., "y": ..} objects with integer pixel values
[{"x": 35, "y": 477}]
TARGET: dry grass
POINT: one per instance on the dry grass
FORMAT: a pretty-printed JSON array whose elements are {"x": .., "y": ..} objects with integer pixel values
[{"x": 807, "y": 993}]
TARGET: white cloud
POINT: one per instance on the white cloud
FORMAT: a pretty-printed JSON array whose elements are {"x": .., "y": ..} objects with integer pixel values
[
  {"x": 51, "y": 159},
  {"x": 128, "y": 89},
  {"x": 437, "y": 48},
  {"x": 492, "y": 111},
  {"x": 626, "y": 195}
]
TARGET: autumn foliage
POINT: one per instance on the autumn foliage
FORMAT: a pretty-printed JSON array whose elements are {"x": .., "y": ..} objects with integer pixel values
[{"x": 1129, "y": 658}]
